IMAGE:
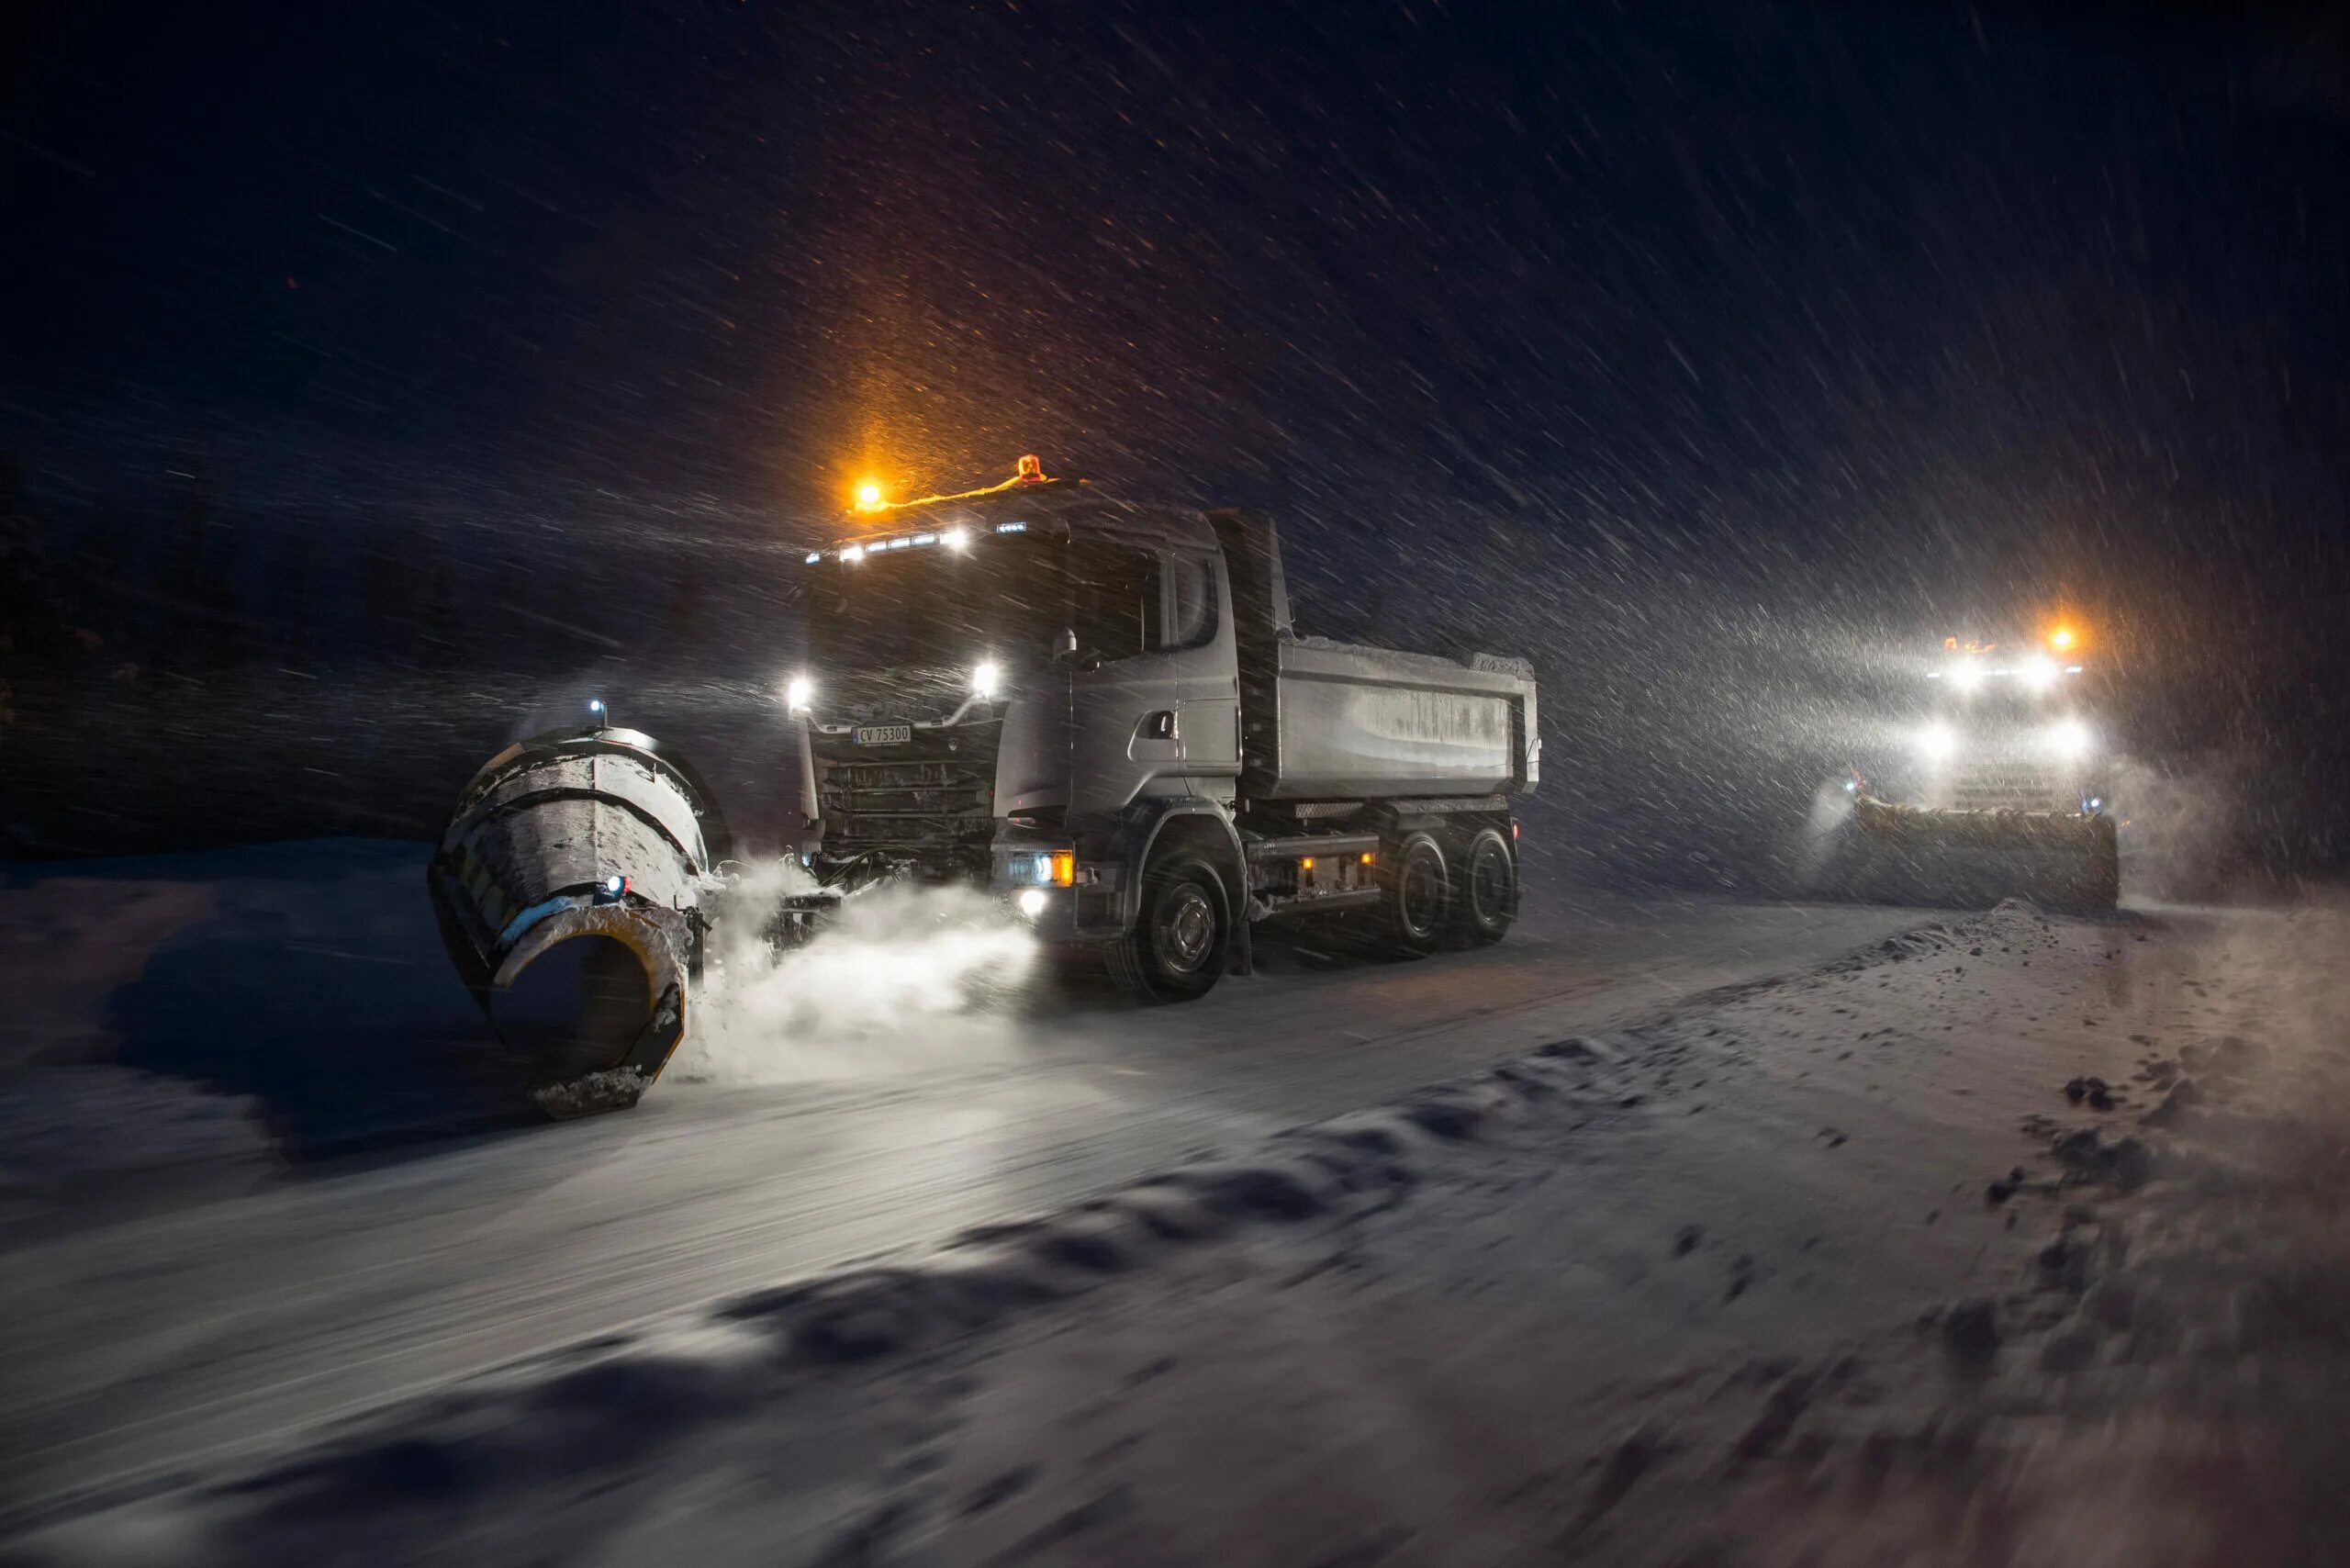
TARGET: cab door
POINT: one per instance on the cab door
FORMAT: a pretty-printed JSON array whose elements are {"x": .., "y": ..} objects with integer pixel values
[
  {"x": 1126, "y": 687},
  {"x": 1200, "y": 638}
]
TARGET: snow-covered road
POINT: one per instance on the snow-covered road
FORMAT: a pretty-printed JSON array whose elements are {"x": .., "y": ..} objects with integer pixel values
[
  {"x": 2004, "y": 1238},
  {"x": 213, "y": 1308}
]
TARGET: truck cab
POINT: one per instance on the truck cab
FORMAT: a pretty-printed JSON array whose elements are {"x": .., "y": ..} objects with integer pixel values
[{"x": 2008, "y": 728}]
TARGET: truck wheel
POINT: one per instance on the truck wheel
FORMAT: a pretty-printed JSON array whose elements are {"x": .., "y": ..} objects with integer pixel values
[
  {"x": 1182, "y": 934},
  {"x": 1488, "y": 899},
  {"x": 1419, "y": 901}
]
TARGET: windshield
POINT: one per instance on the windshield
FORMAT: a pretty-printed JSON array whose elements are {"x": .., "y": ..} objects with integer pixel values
[
  {"x": 2004, "y": 701},
  {"x": 1002, "y": 598}
]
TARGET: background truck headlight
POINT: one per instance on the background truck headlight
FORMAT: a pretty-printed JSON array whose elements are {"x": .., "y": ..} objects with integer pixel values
[
  {"x": 2070, "y": 738},
  {"x": 1938, "y": 743},
  {"x": 1032, "y": 902}
]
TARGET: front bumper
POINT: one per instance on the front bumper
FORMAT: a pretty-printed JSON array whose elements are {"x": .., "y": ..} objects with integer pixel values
[{"x": 1092, "y": 905}]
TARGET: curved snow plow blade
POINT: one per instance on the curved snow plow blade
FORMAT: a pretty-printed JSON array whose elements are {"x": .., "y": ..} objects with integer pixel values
[
  {"x": 570, "y": 884},
  {"x": 1942, "y": 855}
]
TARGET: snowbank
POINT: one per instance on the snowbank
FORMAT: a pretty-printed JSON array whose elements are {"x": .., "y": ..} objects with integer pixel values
[
  {"x": 1832, "y": 1269},
  {"x": 242, "y": 1005}
]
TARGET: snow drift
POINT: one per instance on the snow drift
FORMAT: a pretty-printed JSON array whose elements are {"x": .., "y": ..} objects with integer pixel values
[{"x": 1983, "y": 1244}]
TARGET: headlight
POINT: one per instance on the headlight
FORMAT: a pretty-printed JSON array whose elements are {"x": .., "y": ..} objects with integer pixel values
[
  {"x": 984, "y": 680},
  {"x": 1938, "y": 743},
  {"x": 799, "y": 693},
  {"x": 1051, "y": 868},
  {"x": 2070, "y": 738},
  {"x": 1965, "y": 675},
  {"x": 1032, "y": 902},
  {"x": 2039, "y": 673}
]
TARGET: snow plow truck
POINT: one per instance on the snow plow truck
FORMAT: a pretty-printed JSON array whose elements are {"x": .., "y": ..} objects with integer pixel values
[
  {"x": 1095, "y": 708},
  {"x": 1998, "y": 787}
]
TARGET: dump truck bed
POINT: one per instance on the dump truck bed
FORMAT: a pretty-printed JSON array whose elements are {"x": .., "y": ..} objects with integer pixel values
[{"x": 1357, "y": 723}]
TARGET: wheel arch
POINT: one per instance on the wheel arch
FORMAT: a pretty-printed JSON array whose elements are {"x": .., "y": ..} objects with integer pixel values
[{"x": 1204, "y": 826}]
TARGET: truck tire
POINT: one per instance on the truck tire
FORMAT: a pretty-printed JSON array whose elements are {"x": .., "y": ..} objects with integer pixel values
[
  {"x": 1182, "y": 934},
  {"x": 1417, "y": 906},
  {"x": 1486, "y": 900}
]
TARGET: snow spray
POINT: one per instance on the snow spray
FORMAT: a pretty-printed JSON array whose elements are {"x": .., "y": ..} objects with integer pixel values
[{"x": 899, "y": 982}]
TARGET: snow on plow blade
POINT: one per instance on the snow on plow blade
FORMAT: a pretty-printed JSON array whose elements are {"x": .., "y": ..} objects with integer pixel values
[
  {"x": 569, "y": 885},
  {"x": 1938, "y": 854}
]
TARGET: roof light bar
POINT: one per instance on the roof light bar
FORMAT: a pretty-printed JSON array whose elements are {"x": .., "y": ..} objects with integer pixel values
[{"x": 957, "y": 538}]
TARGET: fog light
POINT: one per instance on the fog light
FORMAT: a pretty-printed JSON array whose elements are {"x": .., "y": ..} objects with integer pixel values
[{"x": 1032, "y": 902}]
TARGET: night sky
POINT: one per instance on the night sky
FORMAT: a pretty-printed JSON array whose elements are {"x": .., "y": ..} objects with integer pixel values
[{"x": 1644, "y": 337}]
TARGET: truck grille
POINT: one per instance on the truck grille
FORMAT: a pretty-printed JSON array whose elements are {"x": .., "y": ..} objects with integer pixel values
[{"x": 906, "y": 805}]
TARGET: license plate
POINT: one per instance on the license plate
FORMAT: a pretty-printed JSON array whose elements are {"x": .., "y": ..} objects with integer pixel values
[{"x": 884, "y": 735}]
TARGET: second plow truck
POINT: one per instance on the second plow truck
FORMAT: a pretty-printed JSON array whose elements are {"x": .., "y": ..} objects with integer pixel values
[
  {"x": 1998, "y": 788},
  {"x": 1095, "y": 708}
]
